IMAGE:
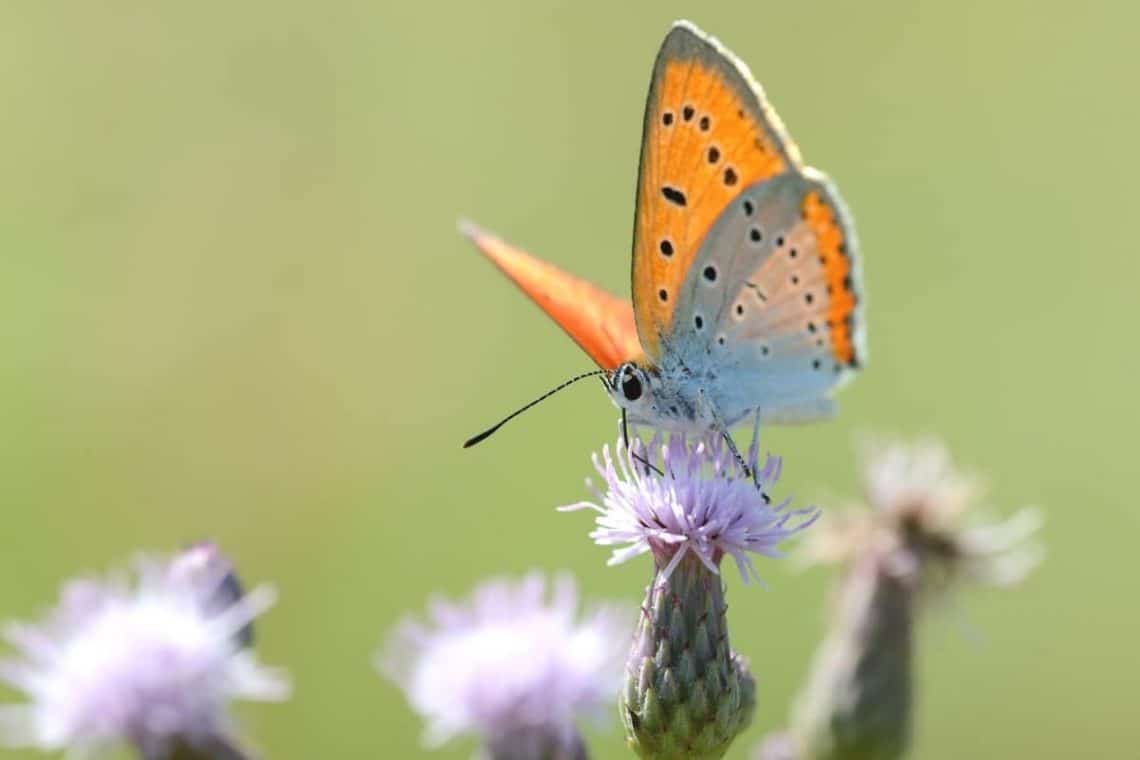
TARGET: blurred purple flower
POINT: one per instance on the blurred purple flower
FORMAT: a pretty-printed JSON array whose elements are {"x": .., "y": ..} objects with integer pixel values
[
  {"x": 510, "y": 666},
  {"x": 704, "y": 505},
  {"x": 923, "y": 526},
  {"x": 151, "y": 661},
  {"x": 777, "y": 746},
  {"x": 915, "y": 541}
]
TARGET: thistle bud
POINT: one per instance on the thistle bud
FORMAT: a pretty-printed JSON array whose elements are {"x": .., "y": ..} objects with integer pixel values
[{"x": 687, "y": 695}]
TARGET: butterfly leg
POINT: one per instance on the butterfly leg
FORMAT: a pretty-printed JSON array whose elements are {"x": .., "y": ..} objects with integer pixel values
[
  {"x": 719, "y": 426},
  {"x": 754, "y": 456},
  {"x": 625, "y": 438},
  {"x": 754, "y": 449},
  {"x": 748, "y": 473}
]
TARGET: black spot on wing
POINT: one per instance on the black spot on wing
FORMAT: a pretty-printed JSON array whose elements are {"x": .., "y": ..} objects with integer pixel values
[{"x": 673, "y": 195}]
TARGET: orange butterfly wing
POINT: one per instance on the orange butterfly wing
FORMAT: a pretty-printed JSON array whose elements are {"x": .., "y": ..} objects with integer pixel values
[
  {"x": 708, "y": 134},
  {"x": 601, "y": 323},
  {"x": 835, "y": 243}
]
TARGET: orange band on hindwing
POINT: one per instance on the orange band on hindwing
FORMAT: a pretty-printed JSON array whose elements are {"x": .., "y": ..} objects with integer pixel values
[{"x": 821, "y": 218}]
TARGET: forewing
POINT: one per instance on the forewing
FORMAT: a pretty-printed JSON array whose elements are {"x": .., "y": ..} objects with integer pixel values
[
  {"x": 708, "y": 134},
  {"x": 601, "y": 323}
]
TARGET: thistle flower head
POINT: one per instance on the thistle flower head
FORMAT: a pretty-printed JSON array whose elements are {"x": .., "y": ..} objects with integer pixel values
[
  {"x": 919, "y": 526},
  {"x": 150, "y": 660},
  {"x": 688, "y": 502},
  {"x": 510, "y": 665},
  {"x": 858, "y": 700},
  {"x": 703, "y": 504}
]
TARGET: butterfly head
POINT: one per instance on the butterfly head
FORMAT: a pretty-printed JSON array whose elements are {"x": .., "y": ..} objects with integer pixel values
[{"x": 631, "y": 387}]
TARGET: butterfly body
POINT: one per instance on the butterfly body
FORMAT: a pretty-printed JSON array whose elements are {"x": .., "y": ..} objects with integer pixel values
[{"x": 746, "y": 294}]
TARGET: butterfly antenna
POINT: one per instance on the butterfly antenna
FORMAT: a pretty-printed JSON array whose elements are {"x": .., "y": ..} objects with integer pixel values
[{"x": 487, "y": 433}]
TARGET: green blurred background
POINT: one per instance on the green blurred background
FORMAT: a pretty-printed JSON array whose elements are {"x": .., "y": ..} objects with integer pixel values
[{"x": 233, "y": 304}]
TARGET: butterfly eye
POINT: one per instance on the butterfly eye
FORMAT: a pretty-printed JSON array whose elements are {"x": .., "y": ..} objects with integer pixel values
[{"x": 631, "y": 387}]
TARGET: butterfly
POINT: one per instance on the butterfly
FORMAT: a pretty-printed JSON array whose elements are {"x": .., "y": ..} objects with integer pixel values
[{"x": 746, "y": 289}]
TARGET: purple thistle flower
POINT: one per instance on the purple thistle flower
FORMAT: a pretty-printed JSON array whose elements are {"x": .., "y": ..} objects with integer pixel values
[
  {"x": 704, "y": 505},
  {"x": 690, "y": 503},
  {"x": 510, "y": 666},
  {"x": 150, "y": 660}
]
